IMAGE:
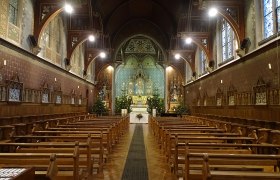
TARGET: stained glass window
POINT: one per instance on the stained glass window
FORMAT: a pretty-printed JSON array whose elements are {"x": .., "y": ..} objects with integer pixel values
[
  {"x": 227, "y": 40},
  {"x": 271, "y": 17},
  {"x": 13, "y": 11}
]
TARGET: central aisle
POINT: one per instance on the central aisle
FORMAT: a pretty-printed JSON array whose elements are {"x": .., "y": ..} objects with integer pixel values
[
  {"x": 136, "y": 165},
  {"x": 158, "y": 168}
]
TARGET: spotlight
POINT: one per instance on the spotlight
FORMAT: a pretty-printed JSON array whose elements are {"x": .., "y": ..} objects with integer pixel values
[
  {"x": 177, "y": 56},
  {"x": 68, "y": 8},
  {"x": 212, "y": 12},
  {"x": 188, "y": 40},
  {"x": 102, "y": 54},
  {"x": 169, "y": 68},
  {"x": 91, "y": 38}
]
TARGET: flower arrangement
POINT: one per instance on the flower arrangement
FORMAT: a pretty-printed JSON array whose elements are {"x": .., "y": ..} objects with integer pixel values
[{"x": 139, "y": 116}]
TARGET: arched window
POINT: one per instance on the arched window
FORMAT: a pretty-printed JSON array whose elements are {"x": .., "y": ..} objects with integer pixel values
[
  {"x": 202, "y": 61},
  {"x": 48, "y": 35},
  {"x": 58, "y": 35},
  {"x": 227, "y": 41},
  {"x": 271, "y": 17},
  {"x": 13, "y": 11}
]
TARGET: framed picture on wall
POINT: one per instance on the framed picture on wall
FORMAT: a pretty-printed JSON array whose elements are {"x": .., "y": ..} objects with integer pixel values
[
  {"x": 72, "y": 100},
  {"x": 14, "y": 90},
  {"x": 260, "y": 92},
  {"x": 80, "y": 100},
  {"x": 57, "y": 97},
  {"x": 45, "y": 95}
]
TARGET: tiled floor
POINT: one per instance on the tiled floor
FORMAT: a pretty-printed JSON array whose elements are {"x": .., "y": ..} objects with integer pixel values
[{"x": 157, "y": 166}]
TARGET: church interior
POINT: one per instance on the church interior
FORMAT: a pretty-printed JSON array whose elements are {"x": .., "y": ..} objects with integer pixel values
[{"x": 139, "y": 89}]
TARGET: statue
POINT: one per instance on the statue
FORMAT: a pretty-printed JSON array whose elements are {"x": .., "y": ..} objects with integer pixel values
[
  {"x": 130, "y": 87},
  {"x": 174, "y": 92},
  {"x": 149, "y": 87},
  {"x": 139, "y": 87}
]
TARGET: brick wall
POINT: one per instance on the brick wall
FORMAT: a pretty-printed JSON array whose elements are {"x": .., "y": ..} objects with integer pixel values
[
  {"x": 242, "y": 74},
  {"x": 34, "y": 72}
]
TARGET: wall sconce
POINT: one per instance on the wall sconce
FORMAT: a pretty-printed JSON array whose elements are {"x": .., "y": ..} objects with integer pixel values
[
  {"x": 270, "y": 68},
  {"x": 4, "y": 64}
]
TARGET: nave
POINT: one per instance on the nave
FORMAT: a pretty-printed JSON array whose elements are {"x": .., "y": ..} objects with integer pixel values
[
  {"x": 157, "y": 167},
  {"x": 109, "y": 147}
]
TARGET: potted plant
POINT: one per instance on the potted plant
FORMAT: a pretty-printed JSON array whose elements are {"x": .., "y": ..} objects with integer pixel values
[
  {"x": 155, "y": 102},
  {"x": 99, "y": 107},
  {"x": 181, "y": 109},
  {"x": 123, "y": 102}
]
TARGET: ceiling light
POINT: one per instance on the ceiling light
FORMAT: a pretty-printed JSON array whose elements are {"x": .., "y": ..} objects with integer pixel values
[
  {"x": 188, "y": 40},
  {"x": 212, "y": 12},
  {"x": 102, "y": 54},
  {"x": 177, "y": 56},
  {"x": 110, "y": 68},
  {"x": 169, "y": 68},
  {"x": 91, "y": 38},
  {"x": 68, "y": 8}
]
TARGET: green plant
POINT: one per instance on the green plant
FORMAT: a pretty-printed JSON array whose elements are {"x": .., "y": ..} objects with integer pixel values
[
  {"x": 99, "y": 107},
  {"x": 181, "y": 109},
  {"x": 123, "y": 102},
  {"x": 155, "y": 102}
]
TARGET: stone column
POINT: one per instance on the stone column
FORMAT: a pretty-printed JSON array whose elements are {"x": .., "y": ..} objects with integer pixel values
[{"x": 113, "y": 88}]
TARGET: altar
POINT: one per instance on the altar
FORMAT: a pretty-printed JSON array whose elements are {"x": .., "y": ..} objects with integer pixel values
[{"x": 139, "y": 114}]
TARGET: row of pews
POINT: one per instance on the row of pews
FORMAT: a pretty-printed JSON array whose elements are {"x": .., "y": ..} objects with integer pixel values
[
  {"x": 63, "y": 148},
  {"x": 201, "y": 148}
]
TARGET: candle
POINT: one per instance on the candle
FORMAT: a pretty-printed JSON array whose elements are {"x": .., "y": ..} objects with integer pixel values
[{"x": 5, "y": 62}]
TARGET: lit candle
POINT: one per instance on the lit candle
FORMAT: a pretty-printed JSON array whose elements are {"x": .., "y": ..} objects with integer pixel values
[
  {"x": 54, "y": 79},
  {"x": 5, "y": 62},
  {"x": 221, "y": 81}
]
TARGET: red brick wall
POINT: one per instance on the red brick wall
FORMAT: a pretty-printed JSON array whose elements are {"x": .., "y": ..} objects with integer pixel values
[
  {"x": 33, "y": 72},
  {"x": 243, "y": 74}
]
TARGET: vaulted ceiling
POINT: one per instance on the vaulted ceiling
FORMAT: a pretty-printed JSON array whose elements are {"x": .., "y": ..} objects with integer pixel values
[
  {"x": 165, "y": 21},
  {"x": 156, "y": 18}
]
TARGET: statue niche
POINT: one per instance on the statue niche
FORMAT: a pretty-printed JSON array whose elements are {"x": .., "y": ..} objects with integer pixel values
[
  {"x": 139, "y": 79},
  {"x": 149, "y": 87},
  {"x": 139, "y": 86}
]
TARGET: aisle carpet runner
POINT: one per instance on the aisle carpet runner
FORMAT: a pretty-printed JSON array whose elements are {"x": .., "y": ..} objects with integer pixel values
[{"x": 136, "y": 165}]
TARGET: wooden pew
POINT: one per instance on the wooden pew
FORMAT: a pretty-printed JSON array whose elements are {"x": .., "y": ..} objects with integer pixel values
[
  {"x": 45, "y": 167},
  {"x": 231, "y": 166},
  {"x": 172, "y": 151},
  {"x": 97, "y": 149},
  {"x": 107, "y": 139},
  {"x": 67, "y": 162},
  {"x": 85, "y": 158},
  {"x": 221, "y": 148}
]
